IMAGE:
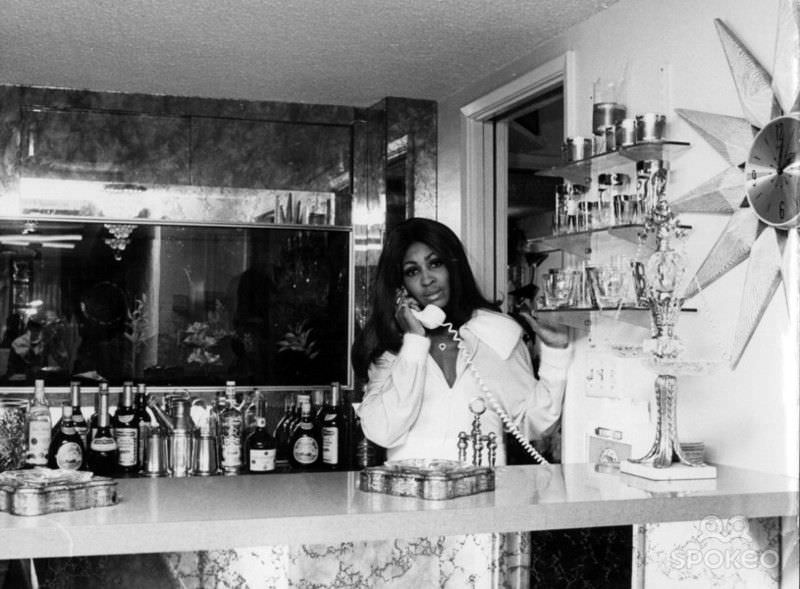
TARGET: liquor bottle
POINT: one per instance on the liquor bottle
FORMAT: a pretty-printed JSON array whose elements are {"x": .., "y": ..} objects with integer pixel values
[
  {"x": 38, "y": 427},
  {"x": 255, "y": 408},
  {"x": 333, "y": 434},
  {"x": 261, "y": 449},
  {"x": 304, "y": 443},
  {"x": 77, "y": 414},
  {"x": 126, "y": 432},
  {"x": 66, "y": 449},
  {"x": 366, "y": 453},
  {"x": 145, "y": 421},
  {"x": 281, "y": 433},
  {"x": 102, "y": 455},
  {"x": 93, "y": 421},
  {"x": 317, "y": 404},
  {"x": 231, "y": 438},
  {"x": 81, "y": 427}
]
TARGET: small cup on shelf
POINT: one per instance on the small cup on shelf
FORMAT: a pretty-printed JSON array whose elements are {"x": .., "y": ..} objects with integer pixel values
[{"x": 558, "y": 286}]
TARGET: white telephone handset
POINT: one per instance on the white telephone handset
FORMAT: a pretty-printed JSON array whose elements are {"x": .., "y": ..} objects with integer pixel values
[{"x": 432, "y": 317}]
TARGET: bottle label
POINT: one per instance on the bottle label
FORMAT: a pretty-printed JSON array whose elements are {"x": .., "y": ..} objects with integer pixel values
[
  {"x": 39, "y": 436},
  {"x": 128, "y": 445},
  {"x": 262, "y": 460},
  {"x": 305, "y": 450},
  {"x": 69, "y": 456},
  {"x": 103, "y": 444},
  {"x": 125, "y": 418},
  {"x": 231, "y": 453},
  {"x": 330, "y": 445}
]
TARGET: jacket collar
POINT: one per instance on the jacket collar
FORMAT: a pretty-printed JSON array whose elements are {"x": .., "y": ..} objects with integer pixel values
[{"x": 498, "y": 331}]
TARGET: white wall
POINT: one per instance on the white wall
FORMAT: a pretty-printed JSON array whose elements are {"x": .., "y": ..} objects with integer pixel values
[{"x": 747, "y": 417}]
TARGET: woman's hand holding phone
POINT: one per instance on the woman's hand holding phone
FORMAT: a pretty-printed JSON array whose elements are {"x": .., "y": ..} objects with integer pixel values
[{"x": 407, "y": 321}]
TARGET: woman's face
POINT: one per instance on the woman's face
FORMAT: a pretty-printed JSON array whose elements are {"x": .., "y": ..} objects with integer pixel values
[{"x": 425, "y": 276}]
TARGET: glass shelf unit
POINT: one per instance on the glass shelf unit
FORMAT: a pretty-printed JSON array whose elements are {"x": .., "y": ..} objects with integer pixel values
[
  {"x": 578, "y": 242},
  {"x": 583, "y": 317},
  {"x": 581, "y": 171}
]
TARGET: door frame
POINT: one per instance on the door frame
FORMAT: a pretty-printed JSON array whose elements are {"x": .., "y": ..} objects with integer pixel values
[{"x": 484, "y": 200}]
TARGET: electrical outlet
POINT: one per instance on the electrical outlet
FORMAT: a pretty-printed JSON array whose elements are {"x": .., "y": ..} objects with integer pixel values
[{"x": 601, "y": 376}]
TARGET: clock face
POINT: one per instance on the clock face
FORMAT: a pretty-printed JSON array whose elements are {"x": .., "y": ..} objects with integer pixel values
[{"x": 772, "y": 172}]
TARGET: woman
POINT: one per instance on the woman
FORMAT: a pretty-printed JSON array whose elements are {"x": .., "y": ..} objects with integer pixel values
[{"x": 420, "y": 382}]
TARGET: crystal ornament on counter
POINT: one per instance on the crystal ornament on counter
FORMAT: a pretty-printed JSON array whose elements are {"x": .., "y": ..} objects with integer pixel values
[{"x": 664, "y": 294}]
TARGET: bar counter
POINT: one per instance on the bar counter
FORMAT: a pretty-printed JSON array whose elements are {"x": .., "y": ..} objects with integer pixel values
[{"x": 190, "y": 514}]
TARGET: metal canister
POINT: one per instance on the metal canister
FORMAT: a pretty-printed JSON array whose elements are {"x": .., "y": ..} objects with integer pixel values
[
  {"x": 626, "y": 132},
  {"x": 577, "y": 148},
  {"x": 606, "y": 114},
  {"x": 155, "y": 463},
  {"x": 650, "y": 127}
]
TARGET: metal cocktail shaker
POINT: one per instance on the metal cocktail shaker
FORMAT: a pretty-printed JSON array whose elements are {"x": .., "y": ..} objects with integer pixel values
[
  {"x": 155, "y": 461},
  {"x": 204, "y": 460}
]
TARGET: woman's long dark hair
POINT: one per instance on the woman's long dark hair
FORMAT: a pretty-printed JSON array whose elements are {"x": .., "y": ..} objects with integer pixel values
[{"x": 381, "y": 332}]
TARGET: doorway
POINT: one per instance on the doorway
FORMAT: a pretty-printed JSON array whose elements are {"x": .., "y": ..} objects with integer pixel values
[{"x": 528, "y": 139}]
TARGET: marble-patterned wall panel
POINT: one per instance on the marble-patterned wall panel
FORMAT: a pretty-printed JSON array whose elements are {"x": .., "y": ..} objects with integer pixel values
[
  {"x": 105, "y": 146},
  {"x": 9, "y": 137},
  {"x": 262, "y": 154},
  {"x": 58, "y": 98},
  {"x": 417, "y": 120}
]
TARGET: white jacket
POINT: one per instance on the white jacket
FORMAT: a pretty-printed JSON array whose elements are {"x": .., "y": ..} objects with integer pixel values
[{"x": 409, "y": 409}]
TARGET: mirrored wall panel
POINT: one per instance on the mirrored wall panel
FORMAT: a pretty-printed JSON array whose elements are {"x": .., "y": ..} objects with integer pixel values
[{"x": 173, "y": 304}]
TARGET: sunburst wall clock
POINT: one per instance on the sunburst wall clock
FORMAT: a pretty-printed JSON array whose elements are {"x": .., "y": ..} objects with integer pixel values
[{"x": 764, "y": 200}]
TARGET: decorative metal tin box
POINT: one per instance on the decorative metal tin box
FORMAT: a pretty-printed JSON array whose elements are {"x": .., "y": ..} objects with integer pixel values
[
  {"x": 427, "y": 479},
  {"x": 40, "y": 490}
]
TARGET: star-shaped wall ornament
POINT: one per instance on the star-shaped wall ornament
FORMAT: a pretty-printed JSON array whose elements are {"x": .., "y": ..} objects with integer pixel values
[{"x": 763, "y": 98}]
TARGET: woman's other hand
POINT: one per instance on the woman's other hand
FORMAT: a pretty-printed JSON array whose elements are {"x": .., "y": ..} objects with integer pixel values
[{"x": 552, "y": 334}]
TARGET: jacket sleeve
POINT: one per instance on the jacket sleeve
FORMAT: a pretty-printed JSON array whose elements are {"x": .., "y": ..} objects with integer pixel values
[
  {"x": 535, "y": 406},
  {"x": 394, "y": 392}
]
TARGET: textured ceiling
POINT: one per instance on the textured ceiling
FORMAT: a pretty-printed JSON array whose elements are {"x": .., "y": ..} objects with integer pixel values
[{"x": 351, "y": 52}]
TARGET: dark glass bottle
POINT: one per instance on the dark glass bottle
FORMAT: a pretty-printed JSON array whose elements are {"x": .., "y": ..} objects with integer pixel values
[
  {"x": 126, "y": 432},
  {"x": 366, "y": 453},
  {"x": 93, "y": 420},
  {"x": 304, "y": 443},
  {"x": 333, "y": 431},
  {"x": 81, "y": 426},
  {"x": 140, "y": 408},
  {"x": 260, "y": 448},
  {"x": 281, "y": 433},
  {"x": 66, "y": 449},
  {"x": 102, "y": 455}
]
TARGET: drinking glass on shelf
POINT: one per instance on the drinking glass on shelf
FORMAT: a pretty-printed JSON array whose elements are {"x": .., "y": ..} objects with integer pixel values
[
  {"x": 608, "y": 285},
  {"x": 558, "y": 286}
]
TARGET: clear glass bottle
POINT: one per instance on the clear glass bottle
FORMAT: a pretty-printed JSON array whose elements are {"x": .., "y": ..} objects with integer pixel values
[
  {"x": 332, "y": 430},
  {"x": 66, "y": 449},
  {"x": 126, "y": 431},
  {"x": 304, "y": 443},
  {"x": 102, "y": 455},
  {"x": 261, "y": 449},
  {"x": 39, "y": 427},
  {"x": 231, "y": 422}
]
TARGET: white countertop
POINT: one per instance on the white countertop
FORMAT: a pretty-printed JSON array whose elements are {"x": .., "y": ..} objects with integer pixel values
[{"x": 164, "y": 515}]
